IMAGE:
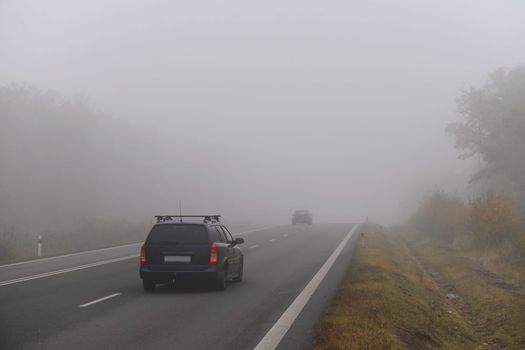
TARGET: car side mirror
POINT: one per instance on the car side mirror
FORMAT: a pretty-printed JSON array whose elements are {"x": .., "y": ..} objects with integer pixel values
[{"x": 238, "y": 240}]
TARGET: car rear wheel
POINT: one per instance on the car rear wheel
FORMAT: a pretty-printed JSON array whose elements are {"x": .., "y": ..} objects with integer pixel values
[
  {"x": 239, "y": 276},
  {"x": 220, "y": 284},
  {"x": 148, "y": 285}
]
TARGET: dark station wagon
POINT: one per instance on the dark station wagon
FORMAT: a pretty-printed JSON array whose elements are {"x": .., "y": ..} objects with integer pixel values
[{"x": 188, "y": 250}]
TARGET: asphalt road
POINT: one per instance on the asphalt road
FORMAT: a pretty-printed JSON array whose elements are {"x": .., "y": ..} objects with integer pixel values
[{"x": 94, "y": 300}]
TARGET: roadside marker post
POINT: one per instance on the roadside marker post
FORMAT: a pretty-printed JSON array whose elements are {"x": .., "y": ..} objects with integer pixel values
[{"x": 39, "y": 246}]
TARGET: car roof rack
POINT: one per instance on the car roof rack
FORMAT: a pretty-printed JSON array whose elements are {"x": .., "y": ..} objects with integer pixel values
[{"x": 206, "y": 218}]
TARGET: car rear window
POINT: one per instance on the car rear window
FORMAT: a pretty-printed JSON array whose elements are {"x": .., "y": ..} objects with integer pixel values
[{"x": 179, "y": 234}]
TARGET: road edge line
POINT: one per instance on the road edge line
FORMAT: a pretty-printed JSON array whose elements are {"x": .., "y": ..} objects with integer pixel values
[
  {"x": 70, "y": 269},
  {"x": 273, "y": 337}
]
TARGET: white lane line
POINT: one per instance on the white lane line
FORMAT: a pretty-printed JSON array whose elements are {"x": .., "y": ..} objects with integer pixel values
[
  {"x": 254, "y": 246},
  {"x": 68, "y": 255},
  {"x": 58, "y": 272},
  {"x": 99, "y": 300},
  {"x": 250, "y": 231},
  {"x": 274, "y": 336},
  {"x": 272, "y": 240}
]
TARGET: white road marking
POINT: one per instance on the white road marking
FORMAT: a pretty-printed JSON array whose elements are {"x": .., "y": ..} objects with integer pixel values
[
  {"x": 285, "y": 235},
  {"x": 99, "y": 300},
  {"x": 58, "y": 272},
  {"x": 254, "y": 246},
  {"x": 273, "y": 239},
  {"x": 274, "y": 336},
  {"x": 68, "y": 255},
  {"x": 250, "y": 231}
]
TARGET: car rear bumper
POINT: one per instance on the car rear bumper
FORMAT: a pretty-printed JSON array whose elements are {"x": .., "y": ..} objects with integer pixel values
[{"x": 162, "y": 273}]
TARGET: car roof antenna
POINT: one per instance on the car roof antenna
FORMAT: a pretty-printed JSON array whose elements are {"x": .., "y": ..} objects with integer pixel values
[{"x": 180, "y": 210}]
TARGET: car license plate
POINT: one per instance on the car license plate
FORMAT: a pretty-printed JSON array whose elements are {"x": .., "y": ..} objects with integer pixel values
[{"x": 177, "y": 258}]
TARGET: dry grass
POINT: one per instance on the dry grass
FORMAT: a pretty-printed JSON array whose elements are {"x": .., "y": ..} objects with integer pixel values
[
  {"x": 492, "y": 300},
  {"x": 388, "y": 301}
]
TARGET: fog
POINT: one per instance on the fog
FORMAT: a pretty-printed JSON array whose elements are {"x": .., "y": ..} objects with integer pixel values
[{"x": 249, "y": 109}]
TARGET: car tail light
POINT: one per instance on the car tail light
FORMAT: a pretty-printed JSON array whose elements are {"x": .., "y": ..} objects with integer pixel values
[
  {"x": 143, "y": 254},
  {"x": 213, "y": 254}
]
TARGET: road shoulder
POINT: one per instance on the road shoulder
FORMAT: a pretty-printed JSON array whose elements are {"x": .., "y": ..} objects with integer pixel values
[{"x": 302, "y": 334}]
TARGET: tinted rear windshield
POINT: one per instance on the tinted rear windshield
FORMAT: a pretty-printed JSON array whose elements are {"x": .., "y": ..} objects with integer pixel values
[{"x": 178, "y": 234}]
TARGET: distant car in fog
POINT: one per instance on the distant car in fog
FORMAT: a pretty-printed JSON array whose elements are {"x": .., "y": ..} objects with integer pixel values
[
  {"x": 301, "y": 216},
  {"x": 189, "y": 250}
]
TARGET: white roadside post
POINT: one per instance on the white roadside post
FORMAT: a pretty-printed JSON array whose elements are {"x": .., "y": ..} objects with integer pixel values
[{"x": 39, "y": 247}]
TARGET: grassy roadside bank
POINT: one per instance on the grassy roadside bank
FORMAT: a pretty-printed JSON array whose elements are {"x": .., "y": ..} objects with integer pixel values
[
  {"x": 16, "y": 246},
  {"x": 419, "y": 296},
  {"x": 491, "y": 297}
]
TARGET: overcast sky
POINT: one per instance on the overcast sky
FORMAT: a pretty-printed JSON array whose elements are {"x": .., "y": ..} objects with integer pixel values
[{"x": 335, "y": 106}]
